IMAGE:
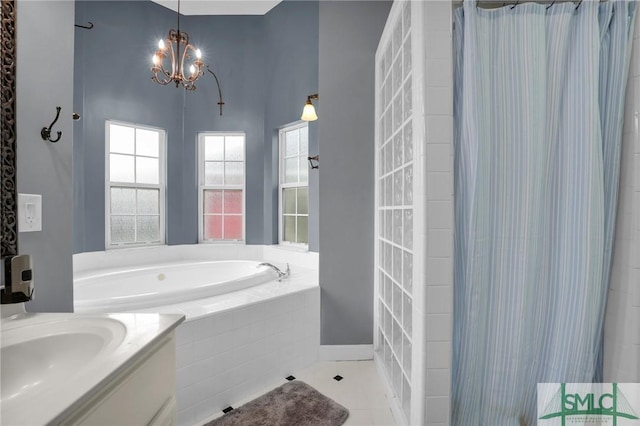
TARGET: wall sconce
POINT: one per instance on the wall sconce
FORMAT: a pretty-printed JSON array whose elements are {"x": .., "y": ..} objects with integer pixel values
[{"x": 309, "y": 112}]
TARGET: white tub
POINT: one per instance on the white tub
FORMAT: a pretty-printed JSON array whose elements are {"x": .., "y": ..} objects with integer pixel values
[
  {"x": 134, "y": 289},
  {"x": 244, "y": 331}
]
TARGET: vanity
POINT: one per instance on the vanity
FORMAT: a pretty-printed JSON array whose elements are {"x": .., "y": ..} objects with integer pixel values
[{"x": 74, "y": 369}]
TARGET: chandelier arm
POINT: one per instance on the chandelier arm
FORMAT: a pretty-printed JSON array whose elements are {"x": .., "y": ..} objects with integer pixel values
[{"x": 220, "y": 101}]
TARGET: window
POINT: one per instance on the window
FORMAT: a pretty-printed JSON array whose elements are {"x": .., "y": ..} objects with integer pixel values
[
  {"x": 294, "y": 186},
  {"x": 221, "y": 178},
  {"x": 135, "y": 162}
]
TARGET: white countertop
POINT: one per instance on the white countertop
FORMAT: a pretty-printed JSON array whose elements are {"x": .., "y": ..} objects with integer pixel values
[{"x": 52, "y": 403}]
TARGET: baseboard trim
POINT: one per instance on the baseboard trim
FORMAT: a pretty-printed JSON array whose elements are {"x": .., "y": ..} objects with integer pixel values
[{"x": 345, "y": 352}]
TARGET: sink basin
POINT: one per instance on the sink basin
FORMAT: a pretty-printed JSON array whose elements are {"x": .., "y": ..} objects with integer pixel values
[{"x": 35, "y": 357}]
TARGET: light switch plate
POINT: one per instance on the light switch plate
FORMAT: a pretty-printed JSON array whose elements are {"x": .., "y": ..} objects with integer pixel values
[{"x": 29, "y": 212}]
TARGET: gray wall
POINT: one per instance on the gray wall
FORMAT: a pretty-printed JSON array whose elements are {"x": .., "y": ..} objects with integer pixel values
[
  {"x": 44, "y": 81},
  {"x": 291, "y": 74},
  {"x": 113, "y": 82},
  {"x": 348, "y": 37}
]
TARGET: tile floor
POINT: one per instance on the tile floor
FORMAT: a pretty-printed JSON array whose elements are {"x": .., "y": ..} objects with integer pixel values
[{"x": 360, "y": 390}]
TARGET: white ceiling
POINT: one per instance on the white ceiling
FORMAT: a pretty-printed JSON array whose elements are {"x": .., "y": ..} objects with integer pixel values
[{"x": 220, "y": 7}]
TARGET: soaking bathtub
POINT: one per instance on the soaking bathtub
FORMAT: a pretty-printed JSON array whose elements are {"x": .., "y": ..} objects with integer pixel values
[
  {"x": 244, "y": 331},
  {"x": 139, "y": 288}
]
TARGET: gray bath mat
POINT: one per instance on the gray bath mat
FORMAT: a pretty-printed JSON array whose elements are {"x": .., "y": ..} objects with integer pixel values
[{"x": 292, "y": 404}]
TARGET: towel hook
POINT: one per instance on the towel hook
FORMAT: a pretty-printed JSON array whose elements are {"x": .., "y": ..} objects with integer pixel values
[
  {"x": 515, "y": 4},
  {"x": 552, "y": 3},
  {"x": 46, "y": 131},
  {"x": 579, "y": 3}
]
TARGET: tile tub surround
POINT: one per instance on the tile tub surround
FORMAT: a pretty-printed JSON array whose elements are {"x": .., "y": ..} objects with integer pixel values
[{"x": 235, "y": 344}]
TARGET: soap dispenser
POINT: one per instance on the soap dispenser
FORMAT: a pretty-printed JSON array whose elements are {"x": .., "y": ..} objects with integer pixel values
[{"x": 18, "y": 279}]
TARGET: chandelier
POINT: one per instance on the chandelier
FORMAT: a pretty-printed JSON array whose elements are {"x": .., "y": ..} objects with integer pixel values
[{"x": 181, "y": 54}]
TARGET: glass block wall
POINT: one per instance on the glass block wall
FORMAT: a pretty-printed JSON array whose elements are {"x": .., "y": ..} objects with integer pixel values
[{"x": 395, "y": 205}]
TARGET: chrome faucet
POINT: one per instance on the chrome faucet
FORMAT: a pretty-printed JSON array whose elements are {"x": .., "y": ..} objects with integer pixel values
[{"x": 281, "y": 275}]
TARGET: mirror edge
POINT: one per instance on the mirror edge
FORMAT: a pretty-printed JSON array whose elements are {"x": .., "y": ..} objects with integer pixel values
[{"x": 8, "y": 195}]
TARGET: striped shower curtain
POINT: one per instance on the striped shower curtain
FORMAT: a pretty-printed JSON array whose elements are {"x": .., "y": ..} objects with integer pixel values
[{"x": 539, "y": 101}]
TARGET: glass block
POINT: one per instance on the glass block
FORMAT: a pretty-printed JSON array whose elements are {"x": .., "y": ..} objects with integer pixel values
[
  {"x": 289, "y": 203},
  {"x": 304, "y": 140},
  {"x": 121, "y": 168},
  {"x": 397, "y": 264},
  {"x": 397, "y": 188},
  {"x": 123, "y": 201},
  {"x": 407, "y": 226},
  {"x": 397, "y": 150},
  {"x": 233, "y": 201},
  {"x": 396, "y": 82},
  {"x": 406, "y": 18},
  {"x": 381, "y": 223},
  {"x": 303, "y": 230},
  {"x": 388, "y": 259},
  {"x": 406, "y": 57},
  {"x": 406, "y": 355},
  {"x": 388, "y": 290},
  {"x": 397, "y": 111},
  {"x": 397, "y": 301},
  {"x": 213, "y": 173},
  {"x": 389, "y": 189},
  {"x": 303, "y": 201},
  {"x": 406, "y": 398},
  {"x": 396, "y": 374},
  {"x": 387, "y": 57},
  {"x": 407, "y": 136},
  {"x": 397, "y": 226},
  {"x": 214, "y": 148},
  {"x": 233, "y": 227},
  {"x": 212, "y": 227},
  {"x": 212, "y": 201},
  {"x": 388, "y": 324},
  {"x": 290, "y": 228},
  {"x": 388, "y": 129},
  {"x": 148, "y": 201},
  {"x": 407, "y": 100},
  {"x": 381, "y": 134},
  {"x": 147, "y": 170},
  {"x": 148, "y": 228},
  {"x": 148, "y": 142},
  {"x": 121, "y": 139},
  {"x": 382, "y": 68},
  {"x": 408, "y": 185},
  {"x": 233, "y": 173},
  {"x": 291, "y": 143},
  {"x": 407, "y": 275},
  {"x": 387, "y": 92},
  {"x": 234, "y": 148},
  {"x": 381, "y": 254},
  {"x": 388, "y": 158},
  {"x": 388, "y": 359},
  {"x": 407, "y": 311},
  {"x": 123, "y": 229},
  {"x": 388, "y": 225},
  {"x": 291, "y": 170},
  {"x": 397, "y": 37},
  {"x": 381, "y": 284},
  {"x": 304, "y": 170}
]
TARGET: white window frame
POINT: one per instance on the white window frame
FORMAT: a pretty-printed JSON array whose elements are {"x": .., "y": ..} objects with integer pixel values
[
  {"x": 161, "y": 186},
  {"x": 202, "y": 188},
  {"x": 282, "y": 185}
]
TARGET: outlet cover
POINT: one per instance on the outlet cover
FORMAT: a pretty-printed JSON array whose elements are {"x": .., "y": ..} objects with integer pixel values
[{"x": 29, "y": 212}]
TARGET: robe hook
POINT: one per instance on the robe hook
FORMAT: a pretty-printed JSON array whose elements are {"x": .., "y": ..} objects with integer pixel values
[
  {"x": 86, "y": 27},
  {"x": 46, "y": 131}
]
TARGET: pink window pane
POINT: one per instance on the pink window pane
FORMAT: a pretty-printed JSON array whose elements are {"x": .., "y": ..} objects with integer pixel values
[
  {"x": 212, "y": 227},
  {"x": 212, "y": 202},
  {"x": 233, "y": 201},
  {"x": 233, "y": 227}
]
